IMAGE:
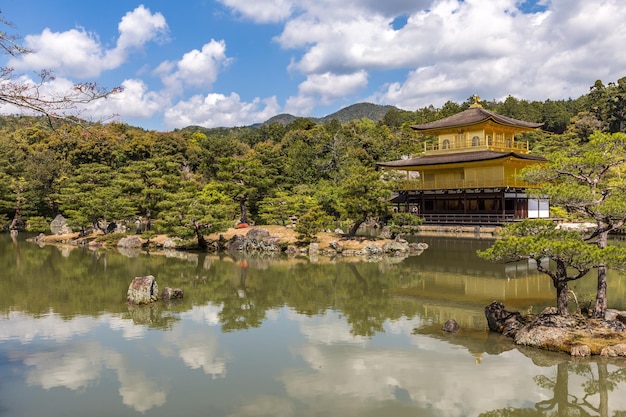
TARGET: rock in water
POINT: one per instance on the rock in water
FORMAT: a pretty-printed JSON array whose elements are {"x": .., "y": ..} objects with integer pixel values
[
  {"x": 502, "y": 321},
  {"x": 451, "y": 326},
  {"x": 143, "y": 290},
  {"x": 171, "y": 293}
]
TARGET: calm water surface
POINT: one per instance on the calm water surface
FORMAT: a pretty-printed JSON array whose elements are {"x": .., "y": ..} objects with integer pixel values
[{"x": 283, "y": 337}]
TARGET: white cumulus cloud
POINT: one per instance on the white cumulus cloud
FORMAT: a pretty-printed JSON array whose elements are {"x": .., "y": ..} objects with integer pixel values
[
  {"x": 79, "y": 53},
  {"x": 196, "y": 68},
  {"x": 140, "y": 27},
  {"x": 325, "y": 88},
  {"x": 261, "y": 11},
  {"x": 408, "y": 54},
  {"x": 216, "y": 110},
  {"x": 451, "y": 49}
]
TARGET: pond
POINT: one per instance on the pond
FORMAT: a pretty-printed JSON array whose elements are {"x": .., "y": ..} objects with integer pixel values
[{"x": 278, "y": 336}]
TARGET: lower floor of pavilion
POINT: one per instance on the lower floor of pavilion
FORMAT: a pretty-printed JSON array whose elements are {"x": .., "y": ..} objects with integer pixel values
[{"x": 471, "y": 206}]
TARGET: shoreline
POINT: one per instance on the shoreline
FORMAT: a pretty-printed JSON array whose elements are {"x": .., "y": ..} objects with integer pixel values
[{"x": 266, "y": 239}]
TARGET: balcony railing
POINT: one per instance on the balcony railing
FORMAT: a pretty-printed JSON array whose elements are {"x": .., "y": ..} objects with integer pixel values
[
  {"x": 466, "y": 144},
  {"x": 467, "y": 219},
  {"x": 417, "y": 184}
]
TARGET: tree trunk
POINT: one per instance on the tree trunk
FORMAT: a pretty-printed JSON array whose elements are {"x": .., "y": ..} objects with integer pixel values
[
  {"x": 355, "y": 227},
  {"x": 244, "y": 210},
  {"x": 15, "y": 222},
  {"x": 599, "y": 308},
  {"x": 561, "y": 298},
  {"x": 148, "y": 220},
  {"x": 202, "y": 243},
  {"x": 560, "y": 283}
]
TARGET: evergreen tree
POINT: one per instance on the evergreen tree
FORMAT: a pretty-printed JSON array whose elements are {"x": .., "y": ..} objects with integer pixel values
[
  {"x": 90, "y": 197},
  {"x": 555, "y": 252},
  {"x": 363, "y": 195},
  {"x": 587, "y": 181}
]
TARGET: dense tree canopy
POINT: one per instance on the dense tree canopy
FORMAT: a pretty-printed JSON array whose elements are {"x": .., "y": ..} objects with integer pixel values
[{"x": 271, "y": 173}]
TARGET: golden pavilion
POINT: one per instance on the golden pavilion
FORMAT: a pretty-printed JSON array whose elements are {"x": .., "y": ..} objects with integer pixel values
[{"x": 469, "y": 175}]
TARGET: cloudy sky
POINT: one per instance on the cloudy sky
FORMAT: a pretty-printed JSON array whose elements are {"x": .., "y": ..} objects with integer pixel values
[{"x": 237, "y": 62}]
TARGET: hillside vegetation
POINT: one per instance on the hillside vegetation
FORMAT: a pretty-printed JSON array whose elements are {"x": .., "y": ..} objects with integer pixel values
[
  {"x": 374, "y": 112},
  {"x": 196, "y": 180}
]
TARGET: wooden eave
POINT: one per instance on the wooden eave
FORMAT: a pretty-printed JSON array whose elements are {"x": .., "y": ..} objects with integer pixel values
[{"x": 456, "y": 159}]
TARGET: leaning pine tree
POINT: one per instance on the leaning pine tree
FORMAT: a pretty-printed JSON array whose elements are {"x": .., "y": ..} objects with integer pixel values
[
  {"x": 588, "y": 181},
  {"x": 563, "y": 255}
]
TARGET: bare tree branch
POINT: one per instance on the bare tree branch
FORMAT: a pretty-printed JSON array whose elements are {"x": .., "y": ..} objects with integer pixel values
[{"x": 35, "y": 96}]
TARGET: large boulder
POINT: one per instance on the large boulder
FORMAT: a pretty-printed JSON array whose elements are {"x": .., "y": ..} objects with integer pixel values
[
  {"x": 236, "y": 243},
  {"x": 612, "y": 314},
  {"x": 257, "y": 234},
  {"x": 257, "y": 239},
  {"x": 580, "y": 351},
  {"x": 547, "y": 330},
  {"x": 386, "y": 233},
  {"x": 172, "y": 243},
  {"x": 396, "y": 247},
  {"x": 130, "y": 242},
  {"x": 270, "y": 244},
  {"x": 59, "y": 226},
  {"x": 143, "y": 290},
  {"x": 502, "y": 321},
  {"x": 417, "y": 248},
  {"x": 373, "y": 250},
  {"x": 336, "y": 246},
  {"x": 618, "y": 350},
  {"x": 292, "y": 251}
]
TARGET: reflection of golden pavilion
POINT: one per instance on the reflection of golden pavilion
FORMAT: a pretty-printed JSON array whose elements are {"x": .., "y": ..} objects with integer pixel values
[
  {"x": 469, "y": 174},
  {"x": 452, "y": 295},
  {"x": 456, "y": 284},
  {"x": 446, "y": 294},
  {"x": 451, "y": 286}
]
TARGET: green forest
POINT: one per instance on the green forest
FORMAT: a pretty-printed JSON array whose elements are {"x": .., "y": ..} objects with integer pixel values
[{"x": 195, "y": 180}]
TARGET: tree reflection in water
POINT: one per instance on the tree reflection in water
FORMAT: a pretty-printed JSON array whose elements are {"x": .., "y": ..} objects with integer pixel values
[
  {"x": 345, "y": 338},
  {"x": 592, "y": 399}
]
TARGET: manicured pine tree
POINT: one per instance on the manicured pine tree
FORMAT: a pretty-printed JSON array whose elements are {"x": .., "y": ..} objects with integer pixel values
[
  {"x": 563, "y": 255},
  {"x": 588, "y": 181}
]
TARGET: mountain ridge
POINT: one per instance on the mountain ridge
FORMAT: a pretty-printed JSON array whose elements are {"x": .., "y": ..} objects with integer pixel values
[{"x": 356, "y": 111}]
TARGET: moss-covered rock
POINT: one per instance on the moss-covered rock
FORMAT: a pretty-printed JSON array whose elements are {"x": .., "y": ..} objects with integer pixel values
[{"x": 575, "y": 334}]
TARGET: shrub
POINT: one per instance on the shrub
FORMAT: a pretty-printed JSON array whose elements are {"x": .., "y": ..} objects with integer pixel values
[
  {"x": 37, "y": 224},
  {"x": 311, "y": 223},
  {"x": 403, "y": 222}
]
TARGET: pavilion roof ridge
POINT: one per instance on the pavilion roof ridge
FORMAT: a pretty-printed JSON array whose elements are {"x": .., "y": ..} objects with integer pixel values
[{"x": 471, "y": 116}]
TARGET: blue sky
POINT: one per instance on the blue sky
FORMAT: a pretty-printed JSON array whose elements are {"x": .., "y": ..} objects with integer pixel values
[{"x": 238, "y": 62}]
